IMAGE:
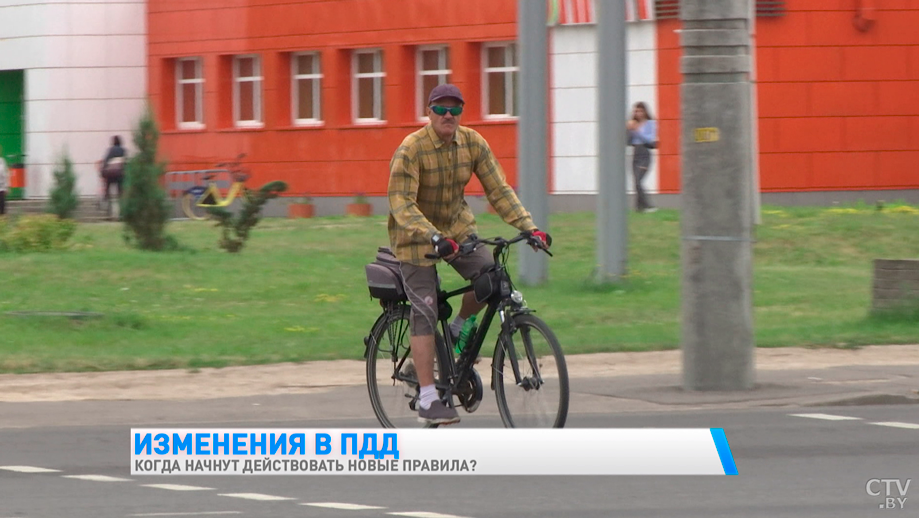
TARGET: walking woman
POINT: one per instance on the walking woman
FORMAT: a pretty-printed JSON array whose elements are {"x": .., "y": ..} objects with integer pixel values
[{"x": 642, "y": 132}]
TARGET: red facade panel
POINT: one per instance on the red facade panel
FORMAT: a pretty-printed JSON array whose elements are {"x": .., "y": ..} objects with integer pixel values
[
  {"x": 786, "y": 99},
  {"x": 898, "y": 169},
  {"x": 810, "y": 134},
  {"x": 807, "y": 64},
  {"x": 834, "y": 99},
  {"x": 841, "y": 170},
  {"x": 877, "y": 133},
  {"x": 859, "y": 96},
  {"x": 836, "y": 28},
  {"x": 785, "y": 171},
  {"x": 817, "y": 5},
  {"x": 887, "y": 63},
  {"x": 769, "y": 135}
]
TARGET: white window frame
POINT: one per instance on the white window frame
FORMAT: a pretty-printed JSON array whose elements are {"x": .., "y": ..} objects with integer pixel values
[
  {"x": 509, "y": 72},
  {"x": 378, "y": 86},
  {"x": 443, "y": 73},
  {"x": 316, "y": 75},
  {"x": 198, "y": 81},
  {"x": 256, "y": 91}
]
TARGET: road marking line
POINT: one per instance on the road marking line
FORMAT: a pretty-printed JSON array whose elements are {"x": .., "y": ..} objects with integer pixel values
[
  {"x": 828, "y": 417},
  {"x": 426, "y": 515},
  {"x": 257, "y": 496},
  {"x": 29, "y": 469},
  {"x": 204, "y": 513},
  {"x": 346, "y": 507},
  {"x": 894, "y": 424},
  {"x": 98, "y": 478},
  {"x": 178, "y": 487}
]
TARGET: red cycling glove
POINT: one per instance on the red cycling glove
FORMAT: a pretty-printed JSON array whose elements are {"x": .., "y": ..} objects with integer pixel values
[
  {"x": 444, "y": 247},
  {"x": 542, "y": 236}
]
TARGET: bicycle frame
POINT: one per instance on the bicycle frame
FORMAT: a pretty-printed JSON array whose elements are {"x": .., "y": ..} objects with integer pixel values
[
  {"x": 460, "y": 370},
  {"x": 210, "y": 196}
]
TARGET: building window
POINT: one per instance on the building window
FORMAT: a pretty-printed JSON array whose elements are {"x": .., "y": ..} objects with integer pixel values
[
  {"x": 500, "y": 80},
  {"x": 433, "y": 70},
  {"x": 305, "y": 90},
  {"x": 189, "y": 93},
  {"x": 247, "y": 91},
  {"x": 367, "y": 90}
]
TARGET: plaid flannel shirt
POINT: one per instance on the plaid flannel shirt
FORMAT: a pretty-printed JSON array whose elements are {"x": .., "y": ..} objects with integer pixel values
[{"x": 427, "y": 182}]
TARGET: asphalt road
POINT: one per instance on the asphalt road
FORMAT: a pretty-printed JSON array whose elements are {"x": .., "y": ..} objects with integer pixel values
[{"x": 789, "y": 466}]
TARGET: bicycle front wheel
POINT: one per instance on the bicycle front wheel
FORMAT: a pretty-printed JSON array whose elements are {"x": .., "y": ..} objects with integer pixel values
[
  {"x": 392, "y": 380},
  {"x": 191, "y": 209},
  {"x": 530, "y": 376}
]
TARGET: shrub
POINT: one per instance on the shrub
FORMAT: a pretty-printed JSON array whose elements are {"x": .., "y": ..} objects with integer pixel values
[
  {"x": 64, "y": 201},
  {"x": 38, "y": 233},
  {"x": 235, "y": 230},
  {"x": 145, "y": 210}
]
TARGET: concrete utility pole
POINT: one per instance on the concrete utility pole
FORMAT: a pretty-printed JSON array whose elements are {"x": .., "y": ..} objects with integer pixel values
[
  {"x": 717, "y": 249},
  {"x": 532, "y": 130},
  {"x": 612, "y": 199}
]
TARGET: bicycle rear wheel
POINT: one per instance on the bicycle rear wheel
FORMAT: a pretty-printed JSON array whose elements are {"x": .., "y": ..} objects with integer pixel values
[
  {"x": 392, "y": 381},
  {"x": 191, "y": 209},
  {"x": 540, "y": 398}
]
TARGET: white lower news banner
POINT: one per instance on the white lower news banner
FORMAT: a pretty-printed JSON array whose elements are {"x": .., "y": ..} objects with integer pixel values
[{"x": 293, "y": 451}]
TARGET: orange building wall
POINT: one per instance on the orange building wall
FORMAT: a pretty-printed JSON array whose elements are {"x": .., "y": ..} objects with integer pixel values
[
  {"x": 838, "y": 108},
  {"x": 339, "y": 157}
]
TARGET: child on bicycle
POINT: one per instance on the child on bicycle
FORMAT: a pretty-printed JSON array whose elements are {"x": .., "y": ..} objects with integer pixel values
[{"x": 428, "y": 176}]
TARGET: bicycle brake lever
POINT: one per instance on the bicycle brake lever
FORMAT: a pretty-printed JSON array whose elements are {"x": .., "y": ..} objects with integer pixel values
[{"x": 431, "y": 256}]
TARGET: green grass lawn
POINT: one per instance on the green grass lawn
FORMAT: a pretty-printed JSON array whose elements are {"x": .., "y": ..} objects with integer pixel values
[{"x": 297, "y": 291}]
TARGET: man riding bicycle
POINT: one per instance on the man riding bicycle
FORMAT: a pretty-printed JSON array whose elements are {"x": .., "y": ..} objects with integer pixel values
[{"x": 428, "y": 176}]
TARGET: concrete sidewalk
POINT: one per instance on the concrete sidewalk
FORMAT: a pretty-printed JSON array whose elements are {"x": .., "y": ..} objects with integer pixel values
[
  {"x": 606, "y": 383},
  {"x": 782, "y": 373}
]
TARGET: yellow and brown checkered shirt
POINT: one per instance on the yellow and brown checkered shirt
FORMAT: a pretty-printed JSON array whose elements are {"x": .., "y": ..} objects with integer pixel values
[{"x": 427, "y": 182}]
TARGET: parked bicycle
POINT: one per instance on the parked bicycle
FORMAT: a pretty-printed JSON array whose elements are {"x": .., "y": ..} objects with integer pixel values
[
  {"x": 197, "y": 199},
  {"x": 528, "y": 373}
]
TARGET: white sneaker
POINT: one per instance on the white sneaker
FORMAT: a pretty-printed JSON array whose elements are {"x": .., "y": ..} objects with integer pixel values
[{"x": 650, "y": 209}]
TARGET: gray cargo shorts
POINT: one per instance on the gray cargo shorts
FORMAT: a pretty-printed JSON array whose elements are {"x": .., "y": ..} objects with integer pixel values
[{"x": 421, "y": 287}]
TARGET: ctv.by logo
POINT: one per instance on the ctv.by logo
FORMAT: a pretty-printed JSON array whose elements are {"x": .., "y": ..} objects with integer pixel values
[{"x": 887, "y": 487}]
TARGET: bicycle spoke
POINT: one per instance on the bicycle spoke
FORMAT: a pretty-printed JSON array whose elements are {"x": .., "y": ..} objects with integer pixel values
[
  {"x": 532, "y": 379},
  {"x": 531, "y": 354},
  {"x": 392, "y": 380}
]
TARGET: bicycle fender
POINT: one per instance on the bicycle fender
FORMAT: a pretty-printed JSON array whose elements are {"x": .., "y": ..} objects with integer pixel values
[
  {"x": 380, "y": 321},
  {"x": 522, "y": 311}
]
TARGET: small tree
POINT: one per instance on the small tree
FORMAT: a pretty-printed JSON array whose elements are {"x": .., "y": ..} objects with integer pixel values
[
  {"x": 145, "y": 210},
  {"x": 235, "y": 230},
  {"x": 64, "y": 201}
]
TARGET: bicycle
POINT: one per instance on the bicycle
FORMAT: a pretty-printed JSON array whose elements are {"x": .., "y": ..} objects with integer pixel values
[
  {"x": 528, "y": 366},
  {"x": 198, "y": 199}
]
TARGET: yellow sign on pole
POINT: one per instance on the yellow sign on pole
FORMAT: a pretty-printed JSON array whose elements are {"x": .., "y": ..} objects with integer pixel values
[{"x": 707, "y": 134}]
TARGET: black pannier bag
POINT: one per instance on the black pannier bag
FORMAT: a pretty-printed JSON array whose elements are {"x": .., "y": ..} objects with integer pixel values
[{"x": 384, "y": 277}]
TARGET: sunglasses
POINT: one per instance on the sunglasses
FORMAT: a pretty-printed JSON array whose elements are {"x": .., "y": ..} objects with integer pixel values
[{"x": 442, "y": 110}]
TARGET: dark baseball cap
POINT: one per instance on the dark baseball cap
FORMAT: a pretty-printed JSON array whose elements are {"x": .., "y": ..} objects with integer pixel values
[{"x": 442, "y": 91}]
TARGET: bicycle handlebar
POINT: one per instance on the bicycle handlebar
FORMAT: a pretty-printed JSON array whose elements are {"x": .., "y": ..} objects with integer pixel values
[
  {"x": 469, "y": 245},
  {"x": 234, "y": 162}
]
